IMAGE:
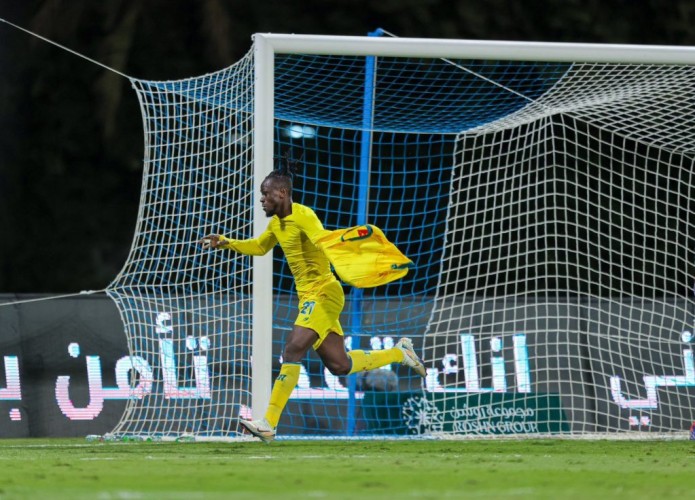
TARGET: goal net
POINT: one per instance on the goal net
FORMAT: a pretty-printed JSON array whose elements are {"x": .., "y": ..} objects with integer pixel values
[{"x": 542, "y": 190}]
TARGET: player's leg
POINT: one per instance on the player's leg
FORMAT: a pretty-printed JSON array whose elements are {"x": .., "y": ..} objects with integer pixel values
[
  {"x": 330, "y": 346},
  {"x": 339, "y": 362},
  {"x": 332, "y": 352},
  {"x": 297, "y": 344}
]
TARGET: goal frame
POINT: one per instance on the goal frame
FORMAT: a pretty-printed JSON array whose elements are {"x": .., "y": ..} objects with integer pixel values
[{"x": 267, "y": 45}]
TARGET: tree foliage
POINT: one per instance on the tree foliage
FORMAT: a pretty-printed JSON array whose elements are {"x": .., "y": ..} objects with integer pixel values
[{"x": 71, "y": 144}]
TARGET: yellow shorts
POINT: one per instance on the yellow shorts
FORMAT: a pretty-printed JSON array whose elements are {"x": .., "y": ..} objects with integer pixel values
[{"x": 320, "y": 308}]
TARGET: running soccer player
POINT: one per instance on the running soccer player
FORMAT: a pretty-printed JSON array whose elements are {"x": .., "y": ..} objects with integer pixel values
[{"x": 321, "y": 299}]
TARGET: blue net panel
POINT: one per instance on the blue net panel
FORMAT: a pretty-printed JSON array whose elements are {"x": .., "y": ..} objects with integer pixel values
[
  {"x": 378, "y": 139},
  {"x": 410, "y": 96}
]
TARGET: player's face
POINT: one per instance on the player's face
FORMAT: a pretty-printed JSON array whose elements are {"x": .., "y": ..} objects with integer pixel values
[{"x": 272, "y": 198}]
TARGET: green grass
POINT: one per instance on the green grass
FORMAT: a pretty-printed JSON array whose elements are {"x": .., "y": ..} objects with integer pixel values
[{"x": 73, "y": 468}]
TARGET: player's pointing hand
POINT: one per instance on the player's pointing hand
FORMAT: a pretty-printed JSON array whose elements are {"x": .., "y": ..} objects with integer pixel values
[{"x": 211, "y": 241}]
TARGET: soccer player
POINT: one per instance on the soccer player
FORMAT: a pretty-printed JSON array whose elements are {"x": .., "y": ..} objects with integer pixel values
[{"x": 321, "y": 299}]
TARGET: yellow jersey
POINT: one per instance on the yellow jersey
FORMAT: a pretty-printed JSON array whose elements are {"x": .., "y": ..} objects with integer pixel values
[
  {"x": 297, "y": 234},
  {"x": 362, "y": 255}
]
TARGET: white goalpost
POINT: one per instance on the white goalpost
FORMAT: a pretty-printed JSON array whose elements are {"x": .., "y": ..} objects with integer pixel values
[{"x": 542, "y": 190}]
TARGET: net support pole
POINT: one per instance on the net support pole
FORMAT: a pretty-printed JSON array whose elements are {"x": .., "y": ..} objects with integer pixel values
[
  {"x": 262, "y": 308},
  {"x": 362, "y": 218}
]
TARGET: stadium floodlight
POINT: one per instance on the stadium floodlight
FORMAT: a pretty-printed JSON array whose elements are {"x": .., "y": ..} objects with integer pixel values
[{"x": 542, "y": 189}]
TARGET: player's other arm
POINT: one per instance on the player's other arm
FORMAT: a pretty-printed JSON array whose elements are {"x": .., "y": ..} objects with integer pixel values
[{"x": 254, "y": 246}]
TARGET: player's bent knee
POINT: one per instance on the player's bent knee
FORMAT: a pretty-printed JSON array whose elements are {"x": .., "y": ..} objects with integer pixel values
[{"x": 339, "y": 367}]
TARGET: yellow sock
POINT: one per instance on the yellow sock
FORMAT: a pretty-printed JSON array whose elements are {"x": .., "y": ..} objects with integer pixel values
[
  {"x": 369, "y": 360},
  {"x": 282, "y": 388}
]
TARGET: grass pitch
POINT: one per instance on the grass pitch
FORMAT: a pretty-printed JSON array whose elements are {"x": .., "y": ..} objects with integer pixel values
[{"x": 74, "y": 468}]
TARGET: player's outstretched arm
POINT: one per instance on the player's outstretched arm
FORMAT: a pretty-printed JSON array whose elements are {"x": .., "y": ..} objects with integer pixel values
[{"x": 254, "y": 246}]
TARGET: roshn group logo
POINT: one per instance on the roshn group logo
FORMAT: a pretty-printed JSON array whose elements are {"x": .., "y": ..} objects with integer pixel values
[{"x": 422, "y": 416}]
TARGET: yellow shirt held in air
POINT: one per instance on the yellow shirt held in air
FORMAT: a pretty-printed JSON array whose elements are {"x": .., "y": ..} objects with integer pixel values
[{"x": 362, "y": 256}]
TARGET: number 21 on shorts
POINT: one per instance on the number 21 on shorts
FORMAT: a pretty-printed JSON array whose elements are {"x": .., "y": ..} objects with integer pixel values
[{"x": 307, "y": 308}]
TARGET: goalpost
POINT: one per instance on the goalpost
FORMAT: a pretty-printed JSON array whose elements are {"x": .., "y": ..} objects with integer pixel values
[{"x": 542, "y": 190}]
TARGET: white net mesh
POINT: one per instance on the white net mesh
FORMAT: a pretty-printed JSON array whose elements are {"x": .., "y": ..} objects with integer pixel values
[
  {"x": 545, "y": 205},
  {"x": 568, "y": 265},
  {"x": 187, "y": 311}
]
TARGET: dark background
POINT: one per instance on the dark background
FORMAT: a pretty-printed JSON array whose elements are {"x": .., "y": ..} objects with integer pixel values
[{"x": 71, "y": 141}]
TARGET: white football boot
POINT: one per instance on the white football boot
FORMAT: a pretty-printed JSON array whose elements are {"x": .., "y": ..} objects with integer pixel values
[
  {"x": 409, "y": 357},
  {"x": 259, "y": 428}
]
